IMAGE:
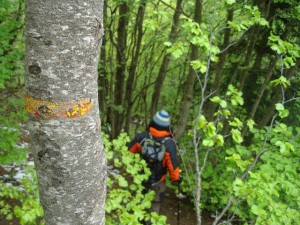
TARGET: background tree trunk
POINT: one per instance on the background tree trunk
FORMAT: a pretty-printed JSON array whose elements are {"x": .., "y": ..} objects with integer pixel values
[
  {"x": 276, "y": 98},
  {"x": 63, "y": 40},
  {"x": 165, "y": 62},
  {"x": 117, "y": 108},
  {"x": 220, "y": 67},
  {"x": 187, "y": 97},
  {"x": 103, "y": 75},
  {"x": 130, "y": 84}
]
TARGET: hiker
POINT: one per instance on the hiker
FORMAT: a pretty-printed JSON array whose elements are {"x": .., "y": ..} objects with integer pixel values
[{"x": 158, "y": 132}]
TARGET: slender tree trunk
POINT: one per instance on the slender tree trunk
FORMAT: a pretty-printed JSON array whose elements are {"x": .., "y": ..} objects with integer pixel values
[
  {"x": 103, "y": 84},
  {"x": 117, "y": 115},
  {"x": 277, "y": 97},
  {"x": 186, "y": 102},
  {"x": 253, "y": 38},
  {"x": 165, "y": 62},
  {"x": 220, "y": 67},
  {"x": 263, "y": 88},
  {"x": 62, "y": 51},
  {"x": 134, "y": 62}
]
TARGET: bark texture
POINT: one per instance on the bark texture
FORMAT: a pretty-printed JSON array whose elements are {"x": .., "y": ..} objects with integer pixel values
[
  {"x": 136, "y": 52},
  {"x": 187, "y": 98},
  {"x": 166, "y": 59},
  {"x": 63, "y": 39},
  {"x": 117, "y": 109},
  {"x": 217, "y": 83}
]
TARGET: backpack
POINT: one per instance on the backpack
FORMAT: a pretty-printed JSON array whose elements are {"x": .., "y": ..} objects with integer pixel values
[{"x": 153, "y": 152}]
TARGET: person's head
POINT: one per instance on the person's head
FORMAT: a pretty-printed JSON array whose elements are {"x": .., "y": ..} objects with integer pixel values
[{"x": 161, "y": 120}]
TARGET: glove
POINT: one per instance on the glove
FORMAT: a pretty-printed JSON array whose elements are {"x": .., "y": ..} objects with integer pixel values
[{"x": 180, "y": 178}]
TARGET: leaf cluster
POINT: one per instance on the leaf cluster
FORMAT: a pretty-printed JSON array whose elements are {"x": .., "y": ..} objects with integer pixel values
[
  {"x": 22, "y": 201},
  {"x": 126, "y": 200}
]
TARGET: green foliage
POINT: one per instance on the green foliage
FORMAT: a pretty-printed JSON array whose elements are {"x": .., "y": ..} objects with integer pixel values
[
  {"x": 267, "y": 194},
  {"x": 235, "y": 96},
  {"x": 22, "y": 201},
  {"x": 262, "y": 176},
  {"x": 194, "y": 35},
  {"x": 289, "y": 51},
  {"x": 12, "y": 114},
  {"x": 251, "y": 17},
  {"x": 281, "y": 110},
  {"x": 271, "y": 190},
  {"x": 126, "y": 202},
  {"x": 281, "y": 81},
  {"x": 11, "y": 42}
]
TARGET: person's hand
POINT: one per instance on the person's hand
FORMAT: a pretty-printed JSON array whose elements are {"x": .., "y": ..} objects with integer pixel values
[{"x": 180, "y": 178}]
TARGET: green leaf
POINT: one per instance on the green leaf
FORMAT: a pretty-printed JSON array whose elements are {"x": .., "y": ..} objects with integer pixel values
[
  {"x": 281, "y": 81},
  {"x": 223, "y": 104},
  {"x": 282, "y": 147},
  {"x": 236, "y": 123},
  {"x": 279, "y": 106},
  {"x": 219, "y": 140},
  {"x": 117, "y": 163},
  {"x": 215, "y": 99},
  {"x": 109, "y": 155},
  {"x": 250, "y": 124},
  {"x": 289, "y": 146},
  {"x": 177, "y": 53},
  {"x": 196, "y": 64},
  {"x": 208, "y": 142},
  {"x": 210, "y": 130},
  {"x": 281, "y": 110},
  {"x": 167, "y": 43},
  {"x": 255, "y": 209},
  {"x": 202, "y": 122},
  {"x": 236, "y": 135}
]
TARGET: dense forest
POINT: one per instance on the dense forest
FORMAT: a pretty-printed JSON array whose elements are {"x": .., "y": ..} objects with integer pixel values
[{"x": 228, "y": 74}]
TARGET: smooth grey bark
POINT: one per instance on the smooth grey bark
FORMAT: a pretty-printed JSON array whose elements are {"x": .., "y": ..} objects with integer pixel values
[{"x": 63, "y": 39}]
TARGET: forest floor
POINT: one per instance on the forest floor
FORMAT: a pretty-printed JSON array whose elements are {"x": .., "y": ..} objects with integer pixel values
[{"x": 187, "y": 214}]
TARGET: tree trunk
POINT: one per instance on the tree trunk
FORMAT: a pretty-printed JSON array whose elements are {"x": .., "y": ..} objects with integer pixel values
[
  {"x": 103, "y": 84},
  {"x": 62, "y": 52},
  {"x": 165, "y": 62},
  {"x": 134, "y": 62},
  {"x": 220, "y": 67},
  {"x": 253, "y": 38},
  {"x": 117, "y": 115},
  {"x": 263, "y": 87},
  {"x": 186, "y": 102},
  {"x": 277, "y": 97}
]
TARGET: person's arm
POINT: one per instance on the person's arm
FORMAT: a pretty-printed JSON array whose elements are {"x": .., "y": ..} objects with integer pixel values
[
  {"x": 171, "y": 161},
  {"x": 134, "y": 145}
]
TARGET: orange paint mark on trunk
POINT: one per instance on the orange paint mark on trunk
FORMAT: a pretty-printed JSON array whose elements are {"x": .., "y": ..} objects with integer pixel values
[{"x": 48, "y": 110}]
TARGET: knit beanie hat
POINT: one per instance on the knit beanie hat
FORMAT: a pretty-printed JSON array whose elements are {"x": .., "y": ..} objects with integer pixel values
[{"x": 162, "y": 118}]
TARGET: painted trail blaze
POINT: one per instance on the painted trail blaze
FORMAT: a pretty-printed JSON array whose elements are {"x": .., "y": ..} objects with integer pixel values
[{"x": 48, "y": 110}]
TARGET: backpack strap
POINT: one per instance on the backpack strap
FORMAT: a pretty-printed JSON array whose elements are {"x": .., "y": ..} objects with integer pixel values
[
  {"x": 165, "y": 139},
  {"x": 143, "y": 140},
  {"x": 152, "y": 138}
]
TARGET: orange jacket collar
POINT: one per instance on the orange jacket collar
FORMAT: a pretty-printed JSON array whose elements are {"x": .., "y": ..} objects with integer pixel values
[{"x": 159, "y": 133}]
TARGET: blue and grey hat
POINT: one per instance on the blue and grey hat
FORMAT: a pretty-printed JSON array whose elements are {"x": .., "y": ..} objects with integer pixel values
[{"x": 162, "y": 118}]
